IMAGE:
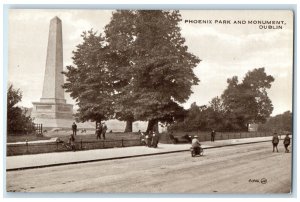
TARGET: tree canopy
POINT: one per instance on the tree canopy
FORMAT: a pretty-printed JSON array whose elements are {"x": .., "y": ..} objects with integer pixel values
[
  {"x": 140, "y": 69},
  {"x": 89, "y": 81},
  {"x": 163, "y": 70}
]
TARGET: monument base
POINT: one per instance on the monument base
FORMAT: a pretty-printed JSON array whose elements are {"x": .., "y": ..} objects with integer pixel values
[{"x": 53, "y": 115}]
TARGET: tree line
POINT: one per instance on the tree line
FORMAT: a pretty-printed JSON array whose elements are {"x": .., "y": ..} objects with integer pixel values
[
  {"x": 241, "y": 104},
  {"x": 280, "y": 123}
]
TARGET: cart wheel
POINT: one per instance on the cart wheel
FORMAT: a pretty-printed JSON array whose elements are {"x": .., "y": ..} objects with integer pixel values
[{"x": 201, "y": 152}]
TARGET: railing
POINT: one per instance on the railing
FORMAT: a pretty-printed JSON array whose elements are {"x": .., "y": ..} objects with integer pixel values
[
  {"x": 36, "y": 148},
  {"x": 206, "y": 136},
  {"x": 38, "y": 129}
]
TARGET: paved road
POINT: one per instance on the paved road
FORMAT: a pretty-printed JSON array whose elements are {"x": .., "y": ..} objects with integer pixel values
[{"x": 238, "y": 169}]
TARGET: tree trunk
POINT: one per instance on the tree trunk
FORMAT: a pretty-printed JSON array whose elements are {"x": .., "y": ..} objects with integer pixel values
[
  {"x": 152, "y": 125},
  {"x": 128, "y": 126}
]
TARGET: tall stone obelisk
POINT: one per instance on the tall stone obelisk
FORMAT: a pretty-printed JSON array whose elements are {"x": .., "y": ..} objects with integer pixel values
[{"x": 52, "y": 110}]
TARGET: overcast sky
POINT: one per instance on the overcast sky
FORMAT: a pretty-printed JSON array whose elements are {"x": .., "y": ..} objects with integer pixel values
[{"x": 226, "y": 50}]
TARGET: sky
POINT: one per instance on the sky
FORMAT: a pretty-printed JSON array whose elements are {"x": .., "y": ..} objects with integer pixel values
[{"x": 226, "y": 50}]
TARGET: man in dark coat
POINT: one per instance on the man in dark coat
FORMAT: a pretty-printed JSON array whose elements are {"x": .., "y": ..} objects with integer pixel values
[
  {"x": 155, "y": 139},
  {"x": 275, "y": 141},
  {"x": 99, "y": 131},
  {"x": 286, "y": 142},
  {"x": 213, "y": 134},
  {"x": 74, "y": 128}
]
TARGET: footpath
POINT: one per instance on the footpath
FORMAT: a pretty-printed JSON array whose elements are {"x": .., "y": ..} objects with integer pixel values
[{"x": 64, "y": 158}]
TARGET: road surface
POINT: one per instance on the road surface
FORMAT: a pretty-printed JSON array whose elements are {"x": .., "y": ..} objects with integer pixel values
[{"x": 251, "y": 168}]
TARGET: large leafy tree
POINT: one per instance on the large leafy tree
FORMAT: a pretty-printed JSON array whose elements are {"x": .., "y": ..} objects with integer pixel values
[
  {"x": 90, "y": 80},
  {"x": 153, "y": 65},
  {"x": 163, "y": 68},
  {"x": 17, "y": 121},
  {"x": 120, "y": 33},
  {"x": 248, "y": 102}
]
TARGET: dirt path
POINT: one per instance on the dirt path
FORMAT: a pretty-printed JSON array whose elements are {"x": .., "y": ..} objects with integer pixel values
[{"x": 250, "y": 168}]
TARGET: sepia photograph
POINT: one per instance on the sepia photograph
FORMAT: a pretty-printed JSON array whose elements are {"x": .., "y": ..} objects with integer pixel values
[{"x": 149, "y": 101}]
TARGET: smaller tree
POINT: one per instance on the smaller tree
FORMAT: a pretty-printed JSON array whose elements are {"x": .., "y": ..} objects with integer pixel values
[
  {"x": 248, "y": 102},
  {"x": 216, "y": 115},
  {"x": 17, "y": 121}
]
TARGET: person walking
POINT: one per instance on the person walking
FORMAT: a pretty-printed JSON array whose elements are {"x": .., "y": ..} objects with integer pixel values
[
  {"x": 275, "y": 141},
  {"x": 212, "y": 136},
  {"x": 104, "y": 129},
  {"x": 98, "y": 130},
  {"x": 74, "y": 128},
  {"x": 286, "y": 143}
]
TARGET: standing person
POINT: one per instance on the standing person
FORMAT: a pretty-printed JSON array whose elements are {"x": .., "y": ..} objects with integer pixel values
[
  {"x": 286, "y": 142},
  {"x": 99, "y": 131},
  {"x": 104, "y": 129},
  {"x": 275, "y": 141},
  {"x": 72, "y": 142},
  {"x": 154, "y": 140},
  {"x": 212, "y": 136},
  {"x": 74, "y": 128}
]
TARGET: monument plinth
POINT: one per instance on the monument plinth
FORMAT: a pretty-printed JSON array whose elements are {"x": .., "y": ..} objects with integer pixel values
[{"x": 52, "y": 110}]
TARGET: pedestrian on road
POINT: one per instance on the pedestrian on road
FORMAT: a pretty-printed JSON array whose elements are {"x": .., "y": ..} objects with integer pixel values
[
  {"x": 286, "y": 142},
  {"x": 212, "y": 136},
  {"x": 104, "y": 129},
  {"x": 74, "y": 128},
  {"x": 98, "y": 130},
  {"x": 275, "y": 141}
]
